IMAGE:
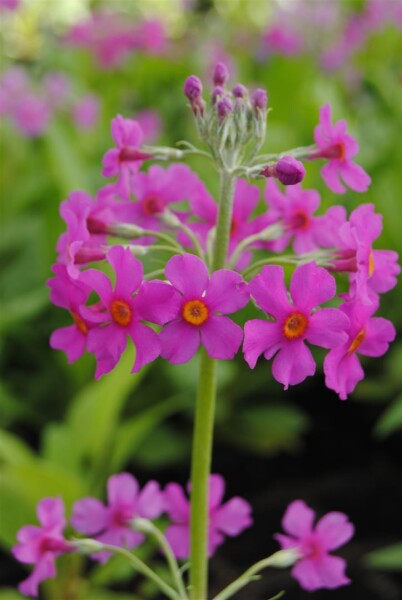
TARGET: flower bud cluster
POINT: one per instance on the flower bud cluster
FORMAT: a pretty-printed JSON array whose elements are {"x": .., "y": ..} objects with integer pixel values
[{"x": 232, "y": 120}]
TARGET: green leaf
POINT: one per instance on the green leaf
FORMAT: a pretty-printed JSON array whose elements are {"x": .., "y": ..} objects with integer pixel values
[
  {"x": 22, "y": 308},
  {"x": 387, "y": 559},
  {"x": 13, "y": 450},
  {"x": 390, "y": 420},
  {"x": 10, "y": 594}
]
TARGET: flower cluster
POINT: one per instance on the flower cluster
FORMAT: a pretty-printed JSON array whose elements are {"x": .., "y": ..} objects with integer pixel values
[
  {"x": 31, "y": 110},
  {"x": 114, "y": 524}
]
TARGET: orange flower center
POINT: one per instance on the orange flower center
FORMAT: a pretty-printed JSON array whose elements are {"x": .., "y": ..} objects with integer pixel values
[
  {"x": 294, "y": 326},
  {"x": 195, "y": 312},
  {"x": 337, "y": 150},
  {"x": 371, "y": 264},
  {"x": 80, "y": 323},
  {"x": 357, "y": 341},
  {"x": 121, "y": 312}
]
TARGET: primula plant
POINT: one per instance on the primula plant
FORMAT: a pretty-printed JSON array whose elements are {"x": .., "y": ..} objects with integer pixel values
[{"x": 221, "y": 256}]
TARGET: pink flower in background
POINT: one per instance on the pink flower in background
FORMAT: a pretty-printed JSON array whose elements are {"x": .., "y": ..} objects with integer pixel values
[
  {"x": 150, "y": 123},
  {"x": 154, "y": 301},
  {"x": 199, "y": 318},
  {"x": 316, "y": 568},
  {"x": 126, "y": 158},
  {"x": 31, "y": 115},
  {"x": 70, "y": 294},
  {"x": 367, "y": 335},
  {"x": 10, "y": 4},
  {"x": 110, "y": 523},
  {"x": 42, "y": 545},
  {"x": 281, "y": 39},
  {"x": 338, "y": 147},
  {"x": 295, "y": 322},
  {"x": 57, "y": 89},
  {"x": 150, "y": 37},
  {"x": 86, "y": 112},
  {"x": 228, "y": 519}
]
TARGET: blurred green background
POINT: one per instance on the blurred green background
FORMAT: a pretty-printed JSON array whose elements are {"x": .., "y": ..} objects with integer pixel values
[{"x": 64, "y": 434}]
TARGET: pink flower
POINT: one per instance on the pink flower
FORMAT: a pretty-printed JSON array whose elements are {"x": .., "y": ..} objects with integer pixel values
[
  {"x": 338, "y": 148},
  {"x": 70, "y": 294},
  {"x": 367, "y": 335},
  {"x": 31, "y": 115},
  {"x": 110, "y": 524},
  {"x": 126, "y": 158},
  {"x": 57, "y": 88},
  {"x": 86, "y": 112},
  {"x": 42, "y": 545},
  {"x": 316, "y": 568},
  {"x": 281, "y": 39},
  {"x": 199, "y": 317},
  {"x": 126, "y": 306},
  {"x": 228, "y": 519},
  {"x": 150, "y": 123},
  {"x": 10, "y": 4},
  {"x": 294, "y": 322}
]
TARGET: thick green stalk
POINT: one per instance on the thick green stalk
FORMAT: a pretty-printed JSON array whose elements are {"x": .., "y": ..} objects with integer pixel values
[{"x": 204, "y": 418}]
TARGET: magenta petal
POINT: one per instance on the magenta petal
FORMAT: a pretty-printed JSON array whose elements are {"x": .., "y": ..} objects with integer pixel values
[
  {"x": 269, "y": 291},
  {"x": 285, "y": 541},
  {"x": 89, "y": 516},
  {"x": 178, "y": 537},
  {"x": 150, "y": 501},
  {"x": 216, "y": 490},
  {"x": 221, "y": 337},
  {"x": 305, "y": 572},
  {"x": 260, "y": 337},
  {"x": 122, "y": 489},
  {"x": 330, "y": 174},
  {"x": 226, "y": 292},
  {"x": 379, "y": 334},
  {"x": 215, "y": 539},
  {"x": 70, "y": 340},
  {"x": 98, "y": 282},
  {"x": 176, "y": 503},
  {"x": 326, "y": 572},
  {"x": 179, "y": 341},
  {"x": 343, "y": 371},
  {"x": 233, "y": 517},
  {"x": 355, "y": 176},
  {"x": 310, "y": 286},
  {"x": 50, "y": 513},
  {"x": 327, "y": 328},
  {"x": 110, "y": 163},
  {"x": 188, "y": 274},
  {"x": 44, "y": 569},
  {"x": 147, "y": 345},
  {"x": 110, "y": 340},
  {"x": 157, "y": 302},
  {"x": 128, "y": 269},
  {"x": 334, "y": 530},
  {"x": 293, "y": 364},
  {"x": 298, "y": 519},
  {"x": 28, "y": 550}
]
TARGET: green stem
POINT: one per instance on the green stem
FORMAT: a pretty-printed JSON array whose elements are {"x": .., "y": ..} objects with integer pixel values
[{"x": 204, "y": 418}]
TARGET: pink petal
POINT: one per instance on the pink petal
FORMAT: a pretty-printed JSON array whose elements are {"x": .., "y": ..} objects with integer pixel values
[
  {"x": 28, "y": 550},
  {"x": 122, "y": 490},
  {"x": 89, "y": 516},
  {"x": 327, "y": 572},
  {"x": 310, "y": 286},
  {"x": 44, "y": 569},
  {"x": 298, "y": 519},
  {"x": 355, "y": 176},
  {"x": 150, "y": 501},
  {"x": 188, "y": 274},
  {"x": 293, "y": 364},
  {"x": 147, "y": 345},
  {"x": 178, "y": 537},
  {"x": 366, "y": 222},
  {"x": 334, "y": 530},
  {"x": 245, "y": 200},
  {"x": 128, "y": 269},
  {"x": 215, "y": 539},
  {"x": 50, "y": 512},
  {"x": 157, "y": 302},
  {"x": 260, "y": 337},
  {"x": 269, "y": 291},
  {"x": 379, "y": 334},
  {"x": 110, "y": 163},
  {"x": 216, "y": 490},
  {"x": 342, "y": 371},
  {"x": 98, "y": 282},
  {"x": 110, "y": 340},
  {"x": 176, "y": 503},
  {"x": 330, "y": 174},
  {"x": 221, "y": 337},
  {"x": 70, "y": 340},
  {"x": 180, "y": 341},
  {"x": 327, "y": 328},
  {"x": 326, "y": 119},
  {"x": 305, "y": 572},
  {"x": 226, "y": 293},
  {"x": 233, "y": 517},
  {"x": 386, "y": 269},
  {"x": 286, "y": 541}
]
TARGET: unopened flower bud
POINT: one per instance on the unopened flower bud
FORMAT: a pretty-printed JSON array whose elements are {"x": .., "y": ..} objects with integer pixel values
[
  {"x": 239, "y": 91},
  {"x": 224, "y": 107},
  {"x": 260, "y": 99},
  {"x": 87, "y": 546},
  {"x": 289, "y": 171},
  {"x": 217, "y": 92},
  {"x": 193, "y": 88},
  {"x": 221, "y": 74}
]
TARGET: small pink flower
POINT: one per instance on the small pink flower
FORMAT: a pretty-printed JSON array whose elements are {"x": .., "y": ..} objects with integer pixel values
[
  {"x": 228, "y": 519},
  {"x": 130, "y": 302},
  {"x": 127, "y": 157},
  {"x": 338, "y": 147},
  {"x": 200, "y": 316},
  {"x": 86, "y": 112},
  {"x": 317, "y": 568},
  {"x": 150, "y": 123},
  {"x": 31, "y": 115},
  {"x": 295, "y": 322},
  {"x": 367, "y": 335},
  {"x": 42, "y": 545},
  {"x": 110, "y": 524}
]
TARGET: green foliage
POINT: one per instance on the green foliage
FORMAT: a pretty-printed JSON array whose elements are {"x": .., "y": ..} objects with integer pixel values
[{"x": 385, "y": 559}]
